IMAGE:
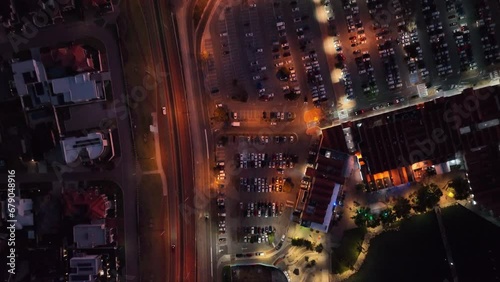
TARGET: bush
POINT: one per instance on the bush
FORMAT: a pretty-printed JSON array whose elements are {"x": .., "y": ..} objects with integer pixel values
[
  {"x": 461, "y": 188},
  {"x": 319, "y": 248}
]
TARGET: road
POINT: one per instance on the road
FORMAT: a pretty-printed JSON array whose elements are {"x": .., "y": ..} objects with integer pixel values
[
  {"x": 201, "y": 138},
  {"x": 175, "y": 144}
]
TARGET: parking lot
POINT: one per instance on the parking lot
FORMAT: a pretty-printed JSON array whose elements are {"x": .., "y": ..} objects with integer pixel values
[
  {"x": 269, "y": 61},
  {"x": 386, "y": 48},
  {"x": 258, "y": 176}
]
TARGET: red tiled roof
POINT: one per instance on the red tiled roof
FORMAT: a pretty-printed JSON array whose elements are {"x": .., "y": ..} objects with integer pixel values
[
  {"x": 96, "y": 204},
  {"x": 406, "y": 136},
  {"x": 334, "y": 138}
]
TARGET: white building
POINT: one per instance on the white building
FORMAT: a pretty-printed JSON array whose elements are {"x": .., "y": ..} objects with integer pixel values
[
  {"x": 24, "y": 213},
  {"x": 90, "y": 147},
  {"x": 30, "y": 78},
  {"x": 85, "y": 268}
]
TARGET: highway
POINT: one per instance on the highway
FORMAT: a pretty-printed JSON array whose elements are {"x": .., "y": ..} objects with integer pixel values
[
  {"x": 175, "y": 144},
  {"x": 202, "y": 141}
]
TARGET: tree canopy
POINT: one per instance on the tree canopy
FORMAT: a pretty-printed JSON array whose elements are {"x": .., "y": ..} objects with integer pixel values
[
  {"x": 426, "y": 197},
  {"x": 460, "y": 188},
  {"x": 402, "y": 207}
]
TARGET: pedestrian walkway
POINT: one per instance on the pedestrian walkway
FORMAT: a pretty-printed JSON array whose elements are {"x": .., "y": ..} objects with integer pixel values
[
  {"x": 157, "y": 152},
  {"x": 447, "y": 248}
]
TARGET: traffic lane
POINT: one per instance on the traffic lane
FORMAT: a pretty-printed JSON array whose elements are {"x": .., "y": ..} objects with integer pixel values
[
  {"x": 167, "y": 146},
  {"x": 202, "y": 262},
  {"x": 184, "y": 150}
]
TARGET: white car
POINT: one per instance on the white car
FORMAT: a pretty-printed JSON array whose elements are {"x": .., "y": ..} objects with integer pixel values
[
  {"x": 250, "y": 34},
  {"x": 164, "y": 110},
  {"x": 257, "y": 77}
]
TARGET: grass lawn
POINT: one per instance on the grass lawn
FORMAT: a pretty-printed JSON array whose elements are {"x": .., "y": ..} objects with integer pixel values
[
  {"x": 414, "y": 253},
  {"x": 137, "y": 63},
  {"x": 347, "y": 253},
  {"x": 475, "y": 244},
  {"x": 226, "y": 273},
  {"x": 150, "y": 200}
]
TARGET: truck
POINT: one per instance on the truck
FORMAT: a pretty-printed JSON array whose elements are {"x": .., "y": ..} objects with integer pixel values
[{"x": 235, "y": 123}]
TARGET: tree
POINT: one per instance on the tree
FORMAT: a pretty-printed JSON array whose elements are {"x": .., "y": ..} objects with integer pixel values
[
  {"x": 221, "y": 114},
  {"x": 402, "y": 207},
  {"x": 223, "y": 140},
  {"x": 460, "y": 188},
  {"x": 283, "y": 73},
  {"x": 319, "y": 248},
  {"x": 308, "y": 244},
  {"x": 360, "y": 187},
  {"x": 306, "y": 258},
  {"x": 362, "y": 216},
  {"x": 292, "y": 95},
  {"x": 426, "y": 197},
  {"x": 296, "y": 271},
  {"x": 313, "y": 262},
  {"x": 339, "y": 65},
  {"x": 387, "y": 216},
  {"x": 288, "y": 185},
  {"x": 297, "y": 242}
]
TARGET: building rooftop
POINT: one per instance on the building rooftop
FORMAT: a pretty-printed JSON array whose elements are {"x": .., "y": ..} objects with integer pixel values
[
  {"x": 433, "y": 131},
  {"x": 91, "y": 146},
  {"x": 94, "y": 205},
  {"x": 24, "y": 213},
  {"x": 78, "y": 88},
  {"x": 88, "y": 236},
  {"x": 85, "y": 268},
  {"x": 327, "y": 178},
  {"x": 31, "y": 80}
]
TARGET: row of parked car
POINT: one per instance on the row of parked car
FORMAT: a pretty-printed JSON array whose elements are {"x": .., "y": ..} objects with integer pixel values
[
  {"x": 262, "y": 209},
  {"x": 414, "y": 57},
  {"x": 264, "y": 238},
  {"x": 437, "y": 37},
  {"x": 266, "y": 139},
  {"x": 487, "y": 32},
  {"x": 351, "y": 11},
  {"x": 221, "y": 204},
  {"x": 282, "y": 54},
  {"x": 258, "y": 230},
  {"x": 259, "y": 184},
  {"x": 391, "y": 68}
]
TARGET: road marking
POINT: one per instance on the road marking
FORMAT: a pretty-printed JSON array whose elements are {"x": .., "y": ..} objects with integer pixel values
[
  {"x": 211, "y": 262},
  {"x": 206, "y": 144}
]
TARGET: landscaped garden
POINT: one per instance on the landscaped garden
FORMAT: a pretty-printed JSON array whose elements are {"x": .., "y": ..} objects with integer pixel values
[
  {"x": 344, "y": 257},
  {"x": 414, "y": 253}
]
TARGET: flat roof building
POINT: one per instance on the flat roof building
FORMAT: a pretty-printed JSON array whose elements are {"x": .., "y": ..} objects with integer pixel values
[
  {"x": 90, "y": 147},
  {"x": 398, "y": 146},
  {"x": 37, "y": 90},
  {"x": 317, "y": 199},
  {"x": 87, "y": 236},
  {"x": 85, "y": 268}
]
